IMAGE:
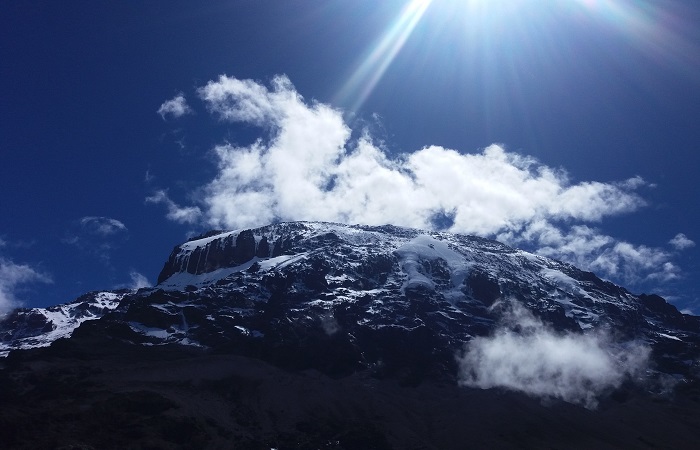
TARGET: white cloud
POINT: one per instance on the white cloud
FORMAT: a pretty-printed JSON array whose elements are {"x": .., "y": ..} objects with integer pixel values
[
  {"x": 589, "y": 249},
  {"x": 310, "y": 169},
  {"x": 189, "y": 214},
  {"x": 175, "y": 107},
  {"x": 103, "y": 226},
  {"x": 138, "y": 281},
  {"x": 681, "y": 242},
  {"x": 525, "y": 355},
  {"x": 248, "y": 101},
  {"x": 12, "y": 275},
  {"x": 97, "y": 235},
  {"x": 307, "y": 167}
]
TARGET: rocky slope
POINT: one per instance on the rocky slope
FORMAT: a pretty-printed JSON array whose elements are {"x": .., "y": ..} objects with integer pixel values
[{"x": 27, "y": 328}]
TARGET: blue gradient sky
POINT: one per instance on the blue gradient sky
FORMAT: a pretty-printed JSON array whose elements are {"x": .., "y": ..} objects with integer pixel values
[{"x": 604, "y": 90}]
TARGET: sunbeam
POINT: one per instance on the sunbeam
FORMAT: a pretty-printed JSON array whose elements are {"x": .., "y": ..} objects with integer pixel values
[
  {"x": 497, "y": 43},
  {"x": 372, "y": 66}
]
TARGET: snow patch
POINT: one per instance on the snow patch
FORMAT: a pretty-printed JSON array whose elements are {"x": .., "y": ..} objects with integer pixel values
[
  {"x": 191, "y": 245},
  {"x": 426, "y": 247},
  {"x": 668, "y": 336},
  {"x": 180, "y": 280},
  {"x": 158, "y": 333},
  {"x": 64, "y": 319},
  {"x": 559, "y": 278}
]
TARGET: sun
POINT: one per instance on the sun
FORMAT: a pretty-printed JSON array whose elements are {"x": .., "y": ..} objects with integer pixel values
[{"x": 493, "y": 35}]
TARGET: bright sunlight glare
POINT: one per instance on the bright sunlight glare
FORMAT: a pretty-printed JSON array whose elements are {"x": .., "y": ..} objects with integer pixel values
[{"x": 378, "y": 58}]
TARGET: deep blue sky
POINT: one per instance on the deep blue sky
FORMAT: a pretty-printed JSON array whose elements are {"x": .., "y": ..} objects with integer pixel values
[{"x": 606, "y": 90}]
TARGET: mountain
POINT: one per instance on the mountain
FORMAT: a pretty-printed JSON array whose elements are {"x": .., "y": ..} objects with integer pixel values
[
  {"x": 27, "y": 328},
  {"x": 319, "y": 335}
]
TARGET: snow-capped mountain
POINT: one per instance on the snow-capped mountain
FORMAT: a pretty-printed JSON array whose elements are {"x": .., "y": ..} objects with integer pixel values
[
  {"x": 27, "y": 328},
  {"x": 295, "y": 288},
  {"x": 317, "y": 335}
]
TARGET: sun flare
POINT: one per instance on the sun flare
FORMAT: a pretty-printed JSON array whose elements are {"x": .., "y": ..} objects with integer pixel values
[{"x": 377, "y": 60}]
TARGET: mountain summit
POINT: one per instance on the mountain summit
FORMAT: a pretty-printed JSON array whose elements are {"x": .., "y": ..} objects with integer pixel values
[{"x": 335, "y": 309}]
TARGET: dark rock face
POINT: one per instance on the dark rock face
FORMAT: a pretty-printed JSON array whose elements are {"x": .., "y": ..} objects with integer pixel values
[
  {"x": 229, "y": 251},
  {"x": 483, "y": 288}
]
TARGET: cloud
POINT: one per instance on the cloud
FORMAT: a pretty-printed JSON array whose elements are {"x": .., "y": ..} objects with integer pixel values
[
  {"x": 138, "y": 281},
  {"x": 175, "y": 107},
  {"x": 102, "y": 226},
  {"x": 13, "y": 275},
  {"x": 525, "y": 355},
  {"x": 590, "y": 249},
  {"x": 308, "y": 166},
  {"x": 189, "y": 214},
  {"x": 97, "y": 235},
  {"x": 681, "y": 242},
  {"x": 309, "y": 169},
  {"x": 329, "y": 324}
]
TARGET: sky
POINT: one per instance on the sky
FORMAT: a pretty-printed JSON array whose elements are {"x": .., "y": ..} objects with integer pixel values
[{"x": 564, "y": 127}]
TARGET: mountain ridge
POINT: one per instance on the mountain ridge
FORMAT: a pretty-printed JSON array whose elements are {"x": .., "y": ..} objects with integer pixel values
[{"x": 388, "y": 268}]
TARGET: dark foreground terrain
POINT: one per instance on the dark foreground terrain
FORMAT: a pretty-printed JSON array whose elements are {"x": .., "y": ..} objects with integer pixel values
[{"x": 175, "y": 397}]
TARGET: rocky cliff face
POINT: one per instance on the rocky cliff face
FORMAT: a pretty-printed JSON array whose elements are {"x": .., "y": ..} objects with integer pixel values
[{"x": 219, "y": 250}]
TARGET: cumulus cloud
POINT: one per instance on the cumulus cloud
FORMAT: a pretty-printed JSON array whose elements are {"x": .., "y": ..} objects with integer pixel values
[
  {"x": 308, "y": 166},
  {"x": 12, "y": 276},
  {"x": 525, "y": 355},
  {"x": 681, "y": 242},
  {"x": 310, "y": 169},
  {"x": 175, "y": 107}
]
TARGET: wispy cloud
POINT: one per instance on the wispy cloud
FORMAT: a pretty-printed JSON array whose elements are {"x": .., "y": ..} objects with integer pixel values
[
  {"x": 176, "y": 107},
  {"x": 306, "y": 166},
  {"x": 177, "y": 213},
  {"x": 97, "y": 235},
  {"x": 590, "y": 249},
  {"x": 681, "y": 242},
  {"x": 12, "y": 277},
  {"x": 102, "y": 226},
  {"x": 138, "y": 280},
  {"x": 525, "y": 355}
]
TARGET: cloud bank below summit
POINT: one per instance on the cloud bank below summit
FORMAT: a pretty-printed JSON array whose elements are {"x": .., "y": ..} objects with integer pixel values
[
  {"x": 307, "y": 166},
  {"x": 525, "y": 355}
]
